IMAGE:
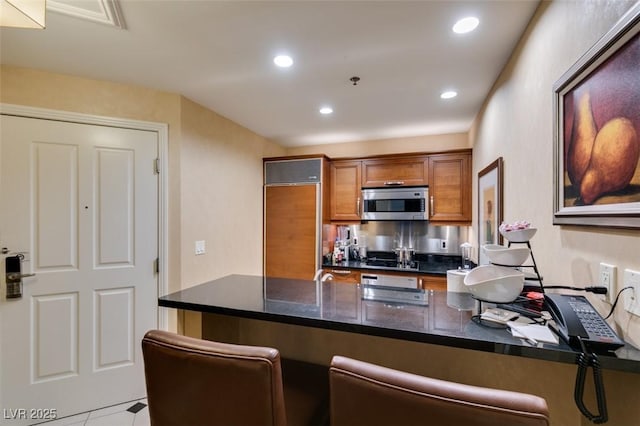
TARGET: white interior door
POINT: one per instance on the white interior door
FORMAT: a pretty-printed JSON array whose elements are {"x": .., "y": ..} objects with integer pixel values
[{"x": 81, "y": 202}]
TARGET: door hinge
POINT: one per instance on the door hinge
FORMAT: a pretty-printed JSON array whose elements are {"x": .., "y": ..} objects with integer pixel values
[
  {"x": 156, "y": 265},
  {"x": 157, "y": 166}
]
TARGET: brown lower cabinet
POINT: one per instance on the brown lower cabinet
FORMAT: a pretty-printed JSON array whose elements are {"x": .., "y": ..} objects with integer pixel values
[
  {"x": 353, "y": 276},
  {"x": 432, "y": 282},
  {"x": 342, "y": 275}
]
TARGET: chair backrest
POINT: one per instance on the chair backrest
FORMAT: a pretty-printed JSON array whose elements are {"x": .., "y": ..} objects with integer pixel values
[
  {"x": 197, "y": 382},
  {"x": 368, "y": 394}
]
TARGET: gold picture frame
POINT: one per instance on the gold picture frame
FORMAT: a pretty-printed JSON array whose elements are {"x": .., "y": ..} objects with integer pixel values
[{"x": 597, "y": 132}]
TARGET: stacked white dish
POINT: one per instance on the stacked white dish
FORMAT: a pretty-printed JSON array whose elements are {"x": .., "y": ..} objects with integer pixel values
[
  {"x": 518, "y": 235},
  {"x": 496, "y": 284},
  {"x": 506, "y": 256}
]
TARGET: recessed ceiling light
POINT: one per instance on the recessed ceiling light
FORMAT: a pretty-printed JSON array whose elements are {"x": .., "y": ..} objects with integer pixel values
[
  {"x": 283, "y": 61},
  {"x": 466, "y": 25},
  {"x": 448, "y": 94},
  {"x": 326, "y": 110}
]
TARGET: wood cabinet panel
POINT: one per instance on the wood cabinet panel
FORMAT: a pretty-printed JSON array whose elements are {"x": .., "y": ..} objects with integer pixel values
[
  {"x": 432, "y": 282},
  {"x": 347, "y": 276},
  {"x": 450, "y": 188},
  {"x": 408, "y": 171},
  {"x": 290, "y": 231},
  {"x": 345, "y": 190}
]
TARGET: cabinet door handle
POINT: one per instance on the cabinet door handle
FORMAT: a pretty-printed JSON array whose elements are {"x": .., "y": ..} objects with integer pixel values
[
  {"x": 340, "y": 272},
  {"x": 394, "y": 182},
  {"x": 358, "y": 207},
  {"x": 431, "y": 205}
]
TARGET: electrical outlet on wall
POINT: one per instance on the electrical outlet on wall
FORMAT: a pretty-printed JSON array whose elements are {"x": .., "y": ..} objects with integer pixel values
[
  {"x": 608, "y": 279},
  {"x": 632, "y": 297},
  {"x": 200, "y": 247}
]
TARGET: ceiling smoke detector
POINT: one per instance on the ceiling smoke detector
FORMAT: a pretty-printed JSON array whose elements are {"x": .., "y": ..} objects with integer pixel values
[{"x": 354, "y": 80}]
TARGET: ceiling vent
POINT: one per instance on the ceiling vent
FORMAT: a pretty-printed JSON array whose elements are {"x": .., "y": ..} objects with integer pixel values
[{"x": 101, "y": 11}]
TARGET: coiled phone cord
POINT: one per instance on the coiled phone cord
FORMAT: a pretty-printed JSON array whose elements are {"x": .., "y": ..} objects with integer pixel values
[{"x": 584, "y": 360}]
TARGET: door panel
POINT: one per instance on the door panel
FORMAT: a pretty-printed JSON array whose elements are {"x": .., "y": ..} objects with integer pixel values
[
  {"x": 114, "y": 190},
  {"x": 81, "y": 201},
  {"x": 55, "y": 170},
  {"x": 54, "y": 345}
]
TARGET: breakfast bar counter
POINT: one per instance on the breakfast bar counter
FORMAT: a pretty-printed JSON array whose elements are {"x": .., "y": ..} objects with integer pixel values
[
  {"x": 433, "y": 317},
  {"x": 430, "y": 333}
]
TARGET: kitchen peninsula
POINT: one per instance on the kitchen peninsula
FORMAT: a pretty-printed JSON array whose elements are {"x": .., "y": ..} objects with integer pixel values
[{"x": 312, "y": 320}]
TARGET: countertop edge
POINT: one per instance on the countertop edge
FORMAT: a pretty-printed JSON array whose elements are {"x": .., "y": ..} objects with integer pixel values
[{"x": 555, "y": 355}]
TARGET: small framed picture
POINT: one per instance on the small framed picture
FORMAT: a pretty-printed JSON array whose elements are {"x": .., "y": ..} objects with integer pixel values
[{"x": 489, "y": 207}]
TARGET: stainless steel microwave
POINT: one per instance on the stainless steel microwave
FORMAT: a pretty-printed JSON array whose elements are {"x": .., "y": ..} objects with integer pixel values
[{"x": 395, "y": 203}]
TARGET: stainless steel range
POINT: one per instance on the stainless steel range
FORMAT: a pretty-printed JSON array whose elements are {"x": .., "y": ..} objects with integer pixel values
[
  {"x": 382, "y": 280},
  {"x": 395, "y": 295}
]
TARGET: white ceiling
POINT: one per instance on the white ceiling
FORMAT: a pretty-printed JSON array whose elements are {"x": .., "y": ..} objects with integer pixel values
[{"x": 219, "y": 54}]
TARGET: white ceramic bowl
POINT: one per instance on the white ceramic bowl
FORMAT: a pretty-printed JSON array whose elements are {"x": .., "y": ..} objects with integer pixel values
[
  {"x": 494, "y": 283},
  {"x": 508, "y": 256},
  {"x": 519, "y": 235}
]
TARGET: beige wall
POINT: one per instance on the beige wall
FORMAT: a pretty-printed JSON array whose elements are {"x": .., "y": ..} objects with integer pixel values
[
  {"x": 517, "y": 124},
  {"x": 221, "y": 195},
  {"x": 215, "y": 168},
  {"x": 430, "y": 143}
]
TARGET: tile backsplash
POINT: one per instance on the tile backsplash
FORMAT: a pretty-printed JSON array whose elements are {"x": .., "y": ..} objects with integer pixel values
[{"x": 421, "y": 236}]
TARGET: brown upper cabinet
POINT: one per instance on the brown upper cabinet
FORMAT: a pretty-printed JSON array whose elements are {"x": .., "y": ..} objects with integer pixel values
[
  {"x": 407, "y": 171},
  {"x": 346, "y": 190},
  {"x": 447, "y": 174},
  {"x": 450, "y": 188}
]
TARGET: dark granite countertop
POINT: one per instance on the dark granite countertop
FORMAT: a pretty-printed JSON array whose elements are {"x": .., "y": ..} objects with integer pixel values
[
  {"x": 432, "y": 264},
  {"x": 446, "y": 320}
]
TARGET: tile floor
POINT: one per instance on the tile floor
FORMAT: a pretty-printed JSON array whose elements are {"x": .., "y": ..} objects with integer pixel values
[{"x": 134, "y": 413}]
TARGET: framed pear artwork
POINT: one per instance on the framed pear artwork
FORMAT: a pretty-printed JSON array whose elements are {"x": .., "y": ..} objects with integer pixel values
[{"x": 597, "y": 132}]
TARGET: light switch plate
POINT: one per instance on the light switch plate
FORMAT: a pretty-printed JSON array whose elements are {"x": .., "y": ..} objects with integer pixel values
[
  {"x": 632, "y": 297},
  {"x": 200, "y": 247}
]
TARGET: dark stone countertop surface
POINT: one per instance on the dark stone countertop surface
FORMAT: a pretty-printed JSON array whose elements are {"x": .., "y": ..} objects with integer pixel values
[
  {"x": 432, "y": 264},
  {"x": 435, "y": 317}
]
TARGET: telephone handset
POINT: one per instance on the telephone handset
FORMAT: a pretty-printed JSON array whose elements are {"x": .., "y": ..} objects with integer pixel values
[
  {"x": 577, "y": 321},
  {"x": 582, "y": 327}
]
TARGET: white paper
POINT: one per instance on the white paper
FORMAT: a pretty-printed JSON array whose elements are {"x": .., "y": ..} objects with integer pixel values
[
  {"x": 498, "y": 315},
  {"x": 537, "y": 332}
]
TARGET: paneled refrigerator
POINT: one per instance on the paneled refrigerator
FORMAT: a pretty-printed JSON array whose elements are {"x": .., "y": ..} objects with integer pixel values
[{"x": 293, "y": 216}]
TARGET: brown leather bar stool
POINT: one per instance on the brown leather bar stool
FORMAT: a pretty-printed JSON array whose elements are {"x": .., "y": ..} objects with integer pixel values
[
  {"x": 197, "y": 382},
  {"x": 368, "y": 394}
]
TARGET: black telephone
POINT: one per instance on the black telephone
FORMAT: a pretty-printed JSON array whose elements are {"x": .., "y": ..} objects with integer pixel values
[
  {"x": 577, "y": 321},
  {"x": 582, "y": 327}
]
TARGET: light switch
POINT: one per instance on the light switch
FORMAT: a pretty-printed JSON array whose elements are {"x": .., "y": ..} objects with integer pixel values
[{"x": 200, "y": 247}]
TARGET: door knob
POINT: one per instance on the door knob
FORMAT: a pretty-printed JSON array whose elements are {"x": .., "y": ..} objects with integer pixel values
[{"x": 17, "y": 276}]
